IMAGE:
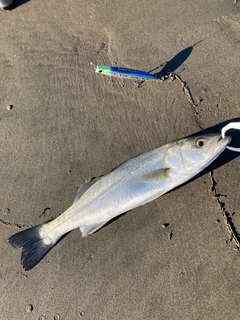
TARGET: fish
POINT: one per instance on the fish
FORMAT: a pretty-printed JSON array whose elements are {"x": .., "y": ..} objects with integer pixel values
[
  {"x": 133, "y": 183},
  {"x": 125, "y": 73}
]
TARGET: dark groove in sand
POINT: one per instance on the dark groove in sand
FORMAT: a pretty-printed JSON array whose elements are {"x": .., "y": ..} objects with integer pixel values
[{"x": 233, "y": 235}]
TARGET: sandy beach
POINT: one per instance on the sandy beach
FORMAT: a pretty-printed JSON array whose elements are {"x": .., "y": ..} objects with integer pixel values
[{"x": 175, "y": 258}]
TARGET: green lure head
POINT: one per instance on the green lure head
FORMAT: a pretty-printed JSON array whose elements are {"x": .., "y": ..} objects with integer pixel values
[{"x": 103, "y": 69}]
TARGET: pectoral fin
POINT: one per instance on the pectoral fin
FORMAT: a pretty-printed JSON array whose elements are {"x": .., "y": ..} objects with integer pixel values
[{"x": 155, "y": 176}]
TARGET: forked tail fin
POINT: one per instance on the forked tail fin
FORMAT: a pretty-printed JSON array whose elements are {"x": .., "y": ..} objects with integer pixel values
[{"x": 33, "y": 246}]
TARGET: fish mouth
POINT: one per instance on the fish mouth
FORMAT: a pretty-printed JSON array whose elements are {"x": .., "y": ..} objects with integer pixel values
[
  {"x": 222, "y": 144},
  {"x": 226, "y": 140}
]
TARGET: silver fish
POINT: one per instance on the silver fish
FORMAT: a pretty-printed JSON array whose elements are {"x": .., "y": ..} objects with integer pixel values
[{"x": 131, "y": 184}]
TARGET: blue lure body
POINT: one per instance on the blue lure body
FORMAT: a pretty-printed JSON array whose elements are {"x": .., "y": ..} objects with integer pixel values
[{"x": 125, "y": 73}]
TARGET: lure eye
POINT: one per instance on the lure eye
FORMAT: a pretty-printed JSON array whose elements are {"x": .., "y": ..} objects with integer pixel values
[{"x": 199, "y": 143}]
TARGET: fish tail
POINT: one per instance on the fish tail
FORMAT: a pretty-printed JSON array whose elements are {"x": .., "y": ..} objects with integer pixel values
[{"x": 33, "y": 244}]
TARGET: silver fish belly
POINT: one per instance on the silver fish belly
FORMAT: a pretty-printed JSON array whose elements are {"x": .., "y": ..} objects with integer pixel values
[{"x": 131, "y": 184}]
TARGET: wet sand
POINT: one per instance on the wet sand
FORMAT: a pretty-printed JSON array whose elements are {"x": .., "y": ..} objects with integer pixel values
[{"x": 68, "y": 124}]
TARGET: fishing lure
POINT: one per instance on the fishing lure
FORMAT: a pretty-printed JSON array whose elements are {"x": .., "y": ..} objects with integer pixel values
[
  {"x": 124, "y": 73},
  {"x": 231, "y": 125}
]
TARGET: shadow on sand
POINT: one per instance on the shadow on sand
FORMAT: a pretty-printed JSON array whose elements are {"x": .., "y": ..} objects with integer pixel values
[
  {"x": 16, "y": 4},
  {"x": 175, "y": 62}
]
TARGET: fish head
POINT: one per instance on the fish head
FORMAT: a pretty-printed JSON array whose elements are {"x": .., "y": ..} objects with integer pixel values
[{"x": 193, "y": 154}]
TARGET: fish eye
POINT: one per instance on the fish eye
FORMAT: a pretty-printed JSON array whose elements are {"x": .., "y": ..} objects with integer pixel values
[{"x": 200, "y": 142}]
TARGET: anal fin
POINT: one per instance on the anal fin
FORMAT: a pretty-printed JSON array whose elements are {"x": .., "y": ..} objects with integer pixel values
[{"x": 91, "y": 228}]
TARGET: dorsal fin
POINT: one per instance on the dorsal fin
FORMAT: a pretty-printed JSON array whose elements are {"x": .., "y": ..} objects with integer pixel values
[{"x": 84, "y": 187}]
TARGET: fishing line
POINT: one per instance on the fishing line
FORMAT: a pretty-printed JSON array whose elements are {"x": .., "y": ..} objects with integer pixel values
[{"x": 231, "y": 125}]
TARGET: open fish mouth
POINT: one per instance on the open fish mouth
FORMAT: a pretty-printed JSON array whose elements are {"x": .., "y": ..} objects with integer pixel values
[
  {"x": 227, "y": 139},
  {"x": 222, "y": 143}
]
